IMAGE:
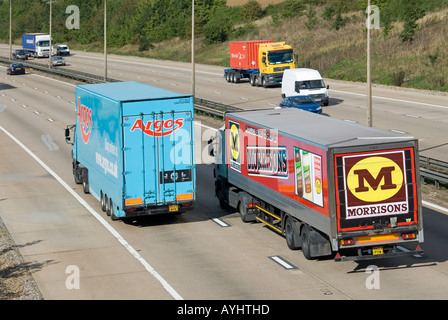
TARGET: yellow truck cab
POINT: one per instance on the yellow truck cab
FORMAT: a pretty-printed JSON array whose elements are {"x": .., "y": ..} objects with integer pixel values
[
  {"x": 262, "y": 62},
  {"x": 274, "y": 59}
]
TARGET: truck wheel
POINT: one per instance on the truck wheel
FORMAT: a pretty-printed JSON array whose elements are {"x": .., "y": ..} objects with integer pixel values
[
  {"x": 103, "y": 201},
  {"x": 228, "y": 76},
  {"x": 292, "y": 234},
  {"x": 85, "y": 181},
  {"x": 306, "y": 242},
  {"x": 264, "y": 84},
  {"x": 242, "y": 208},
  {"x": 112, "y": 211},
  {"x": 253, "y": 80},
  {"x": 107, "y": 205},
  {"x": 77, "y": 173},
  {"x": 237, "y": 77}
]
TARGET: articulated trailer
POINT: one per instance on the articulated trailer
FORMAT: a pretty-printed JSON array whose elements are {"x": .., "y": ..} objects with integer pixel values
[
  {"x": 330, "y": 187},
  {"x": 133, "y": 148}
]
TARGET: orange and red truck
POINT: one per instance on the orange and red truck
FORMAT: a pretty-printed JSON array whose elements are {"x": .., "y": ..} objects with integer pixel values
[
  {"x": 261, "y": 61},
  {"x": 331, "y": 187}
]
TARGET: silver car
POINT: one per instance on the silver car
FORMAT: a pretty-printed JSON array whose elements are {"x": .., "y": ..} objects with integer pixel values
[{"x": 57, "y": 61}]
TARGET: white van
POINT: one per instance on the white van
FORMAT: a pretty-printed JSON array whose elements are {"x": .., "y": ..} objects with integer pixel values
[{"x": 304, "y": 81}]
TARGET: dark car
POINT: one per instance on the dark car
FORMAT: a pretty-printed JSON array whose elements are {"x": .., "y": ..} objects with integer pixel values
[
  {"x": 20, "y": 54},
  {"x": 301, "y": 102},
  {"x": 15, "y": 68}
]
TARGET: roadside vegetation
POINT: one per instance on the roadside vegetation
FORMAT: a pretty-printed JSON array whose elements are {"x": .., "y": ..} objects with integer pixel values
[{"x": 409, "y": 49}]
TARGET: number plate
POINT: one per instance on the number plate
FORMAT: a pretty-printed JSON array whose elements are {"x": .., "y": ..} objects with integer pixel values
[
  {"x": 173, "y": 208},
  {"x": 377, "y": 250}
]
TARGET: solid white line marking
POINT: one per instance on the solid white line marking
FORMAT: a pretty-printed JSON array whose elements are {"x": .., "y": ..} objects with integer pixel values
[
  {"x": 220, "y": 222},
  {"x": 398, "y": 131},
  {"x": 48, "y": 140},
  {"x": 282, "y": 262},
  {"x": 392, "y": 99},
  {"x": 131, "y": 250},
  {"x": 435, "y": 206}
]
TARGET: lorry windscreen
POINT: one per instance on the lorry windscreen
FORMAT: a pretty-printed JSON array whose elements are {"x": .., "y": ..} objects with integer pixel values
[
  {"x": 309, "y": 84},
  {"x": 280, "y": 56},
  {"x": 44, "y": 43}
]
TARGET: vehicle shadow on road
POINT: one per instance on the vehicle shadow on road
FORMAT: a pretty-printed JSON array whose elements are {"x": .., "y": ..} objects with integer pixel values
[
  {"x": 205, "y": 208},
  {"x": 435, "y": 225}
]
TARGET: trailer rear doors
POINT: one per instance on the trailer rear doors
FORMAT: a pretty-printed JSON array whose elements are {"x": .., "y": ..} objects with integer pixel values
[
  {"x": 376, "y": 189},
  {"x": 158, "y": 158}
]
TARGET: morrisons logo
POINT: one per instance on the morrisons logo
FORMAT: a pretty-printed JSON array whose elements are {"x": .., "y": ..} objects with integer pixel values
[
  {"x": 375, "y": 184},
  {"x": 375, "y": 179}
]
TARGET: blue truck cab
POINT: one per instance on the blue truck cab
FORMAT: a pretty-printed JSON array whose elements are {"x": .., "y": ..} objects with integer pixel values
[{"x": 133, "y": 148}]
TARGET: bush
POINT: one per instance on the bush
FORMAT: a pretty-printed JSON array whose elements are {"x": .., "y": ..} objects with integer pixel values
[
  {"x": 251, "y": 11},
  {"x": 217, "y": 29}
]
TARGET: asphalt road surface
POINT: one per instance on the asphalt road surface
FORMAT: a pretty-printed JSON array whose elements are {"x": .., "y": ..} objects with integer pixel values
[{"x": 208, "y": 253}]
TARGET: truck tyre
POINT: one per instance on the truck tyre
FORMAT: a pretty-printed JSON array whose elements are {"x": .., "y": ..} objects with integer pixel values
[
  {"x": 107, "y": 205},
  {"x": 264, "y": 84},
  {"x": 112, "y": 211},
  {"x": 242, "y": 208},
  {"x": 253, "y": 80},
  {"x": 237, "y": 77},
  {"x": 103, "y": 201},
  {"x": 306, "y": 250},
  {"x": 228, "y": 76},
  {"x": 85, "y": 181},
  {"x": 77, "y": 172},
  {"x": 292, "y": 234},
  {"x": 219, "y": 192}
]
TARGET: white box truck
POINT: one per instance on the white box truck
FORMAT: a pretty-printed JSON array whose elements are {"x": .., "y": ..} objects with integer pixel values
[{"x": 304, "y": 81}]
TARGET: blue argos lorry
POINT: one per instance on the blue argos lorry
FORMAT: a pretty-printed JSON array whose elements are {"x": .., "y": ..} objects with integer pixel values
[{"x": 133, "y": 148}]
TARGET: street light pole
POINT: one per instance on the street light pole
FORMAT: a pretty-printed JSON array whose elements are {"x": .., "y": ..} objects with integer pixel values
[
  {"x": 369, "y": 76},
  {"x": 51, "y": 42},
  {"x": 10, "y": 29},
  {"x": 105, "y": 40},
  {"x": 192, "y": 51}
]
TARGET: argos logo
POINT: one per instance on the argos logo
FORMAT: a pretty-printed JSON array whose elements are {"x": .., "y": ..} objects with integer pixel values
[
  {"x": 158, "y": 128},
  {"x": 375, "y": 184},
  {"x": 85, "y": 121}
]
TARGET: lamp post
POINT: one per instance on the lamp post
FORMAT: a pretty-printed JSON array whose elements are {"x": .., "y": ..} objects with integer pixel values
[
  {"x": 192, "y": 51},
  {"x": 10, "y": 29},
  {"x": 369, "y": 76},
  {"x": 51, "y": 42},
  {"x": 105, "y": 40}
]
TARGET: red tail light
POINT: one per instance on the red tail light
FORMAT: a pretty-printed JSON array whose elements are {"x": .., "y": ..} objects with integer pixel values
[
  {"x": 408, "y": 236},
  {"x": 347, "y": 242}
]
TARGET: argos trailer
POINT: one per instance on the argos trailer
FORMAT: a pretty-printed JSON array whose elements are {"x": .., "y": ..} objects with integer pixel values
[
  {"x": 133, "y": 148},
  {"x": 328, "y": 186}
]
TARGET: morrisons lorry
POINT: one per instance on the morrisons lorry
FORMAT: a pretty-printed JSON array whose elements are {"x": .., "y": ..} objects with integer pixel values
[
  {"x": 330, "y": 187},
  {"x": 133, "y": 148},
  {"x": 36, "y": 44},
  {"x": 261, "y": 61}
]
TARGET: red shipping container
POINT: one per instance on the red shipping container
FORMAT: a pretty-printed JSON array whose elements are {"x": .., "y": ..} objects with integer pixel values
[{"x": 244, "y": 54}]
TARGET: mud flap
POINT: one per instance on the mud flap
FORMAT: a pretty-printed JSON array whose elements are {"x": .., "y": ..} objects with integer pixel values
[{"x": 319, "y": 245}]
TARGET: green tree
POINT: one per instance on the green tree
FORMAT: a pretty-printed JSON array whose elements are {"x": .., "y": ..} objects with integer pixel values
[{"x": 251, "y": 11}]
